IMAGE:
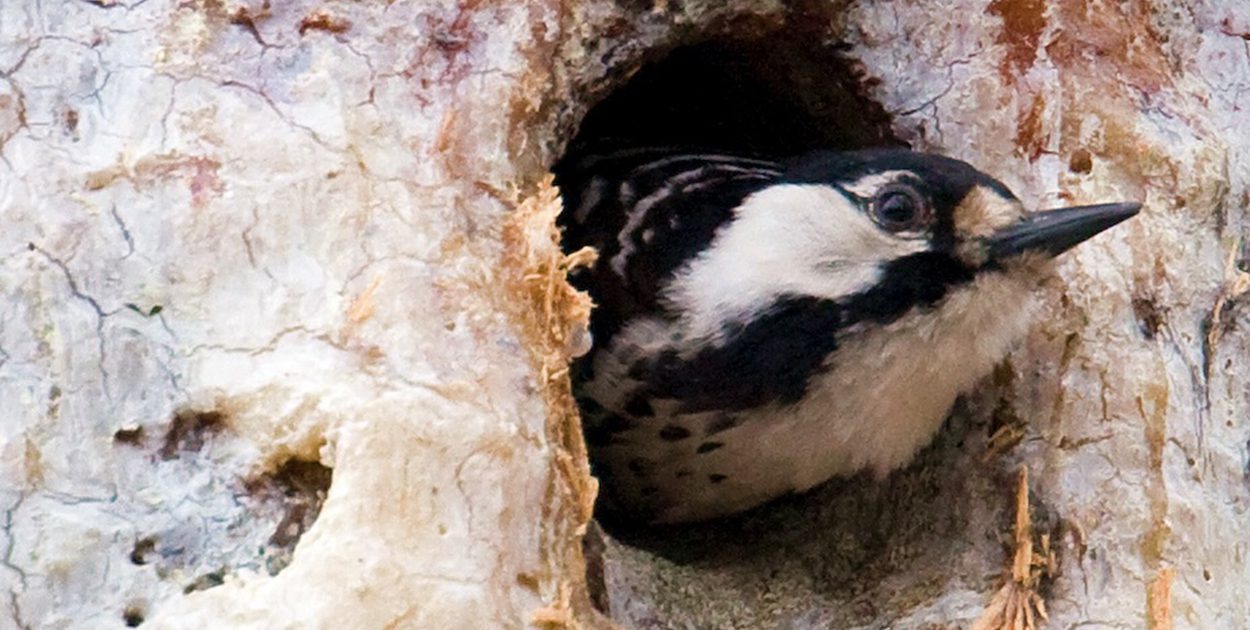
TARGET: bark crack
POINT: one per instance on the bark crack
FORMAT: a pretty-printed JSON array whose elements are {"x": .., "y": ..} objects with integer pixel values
[
  {"x": 309, "y": 131},
  {"x": 10, "y": 547},
  {"x": 269, "y": 346},
  {"x": 100, "y": 314},
  {"x": 121, "y": 225},
  {"x": 950, "y": 85}
]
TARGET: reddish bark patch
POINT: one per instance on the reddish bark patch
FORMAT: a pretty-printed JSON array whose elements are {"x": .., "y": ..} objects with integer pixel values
[
  {"x": 322, "y": 21},
  {"x": 1031, "y": 136},
  {"x": 1023, "y": 23},
  {"x": 204, "y": 183},
  {"x": 200, "y": 173},
  {"x": 1115, "y": 41}
]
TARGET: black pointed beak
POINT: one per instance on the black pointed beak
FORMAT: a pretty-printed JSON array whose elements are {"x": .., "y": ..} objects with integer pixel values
[{"x": 1053, "y": 232}]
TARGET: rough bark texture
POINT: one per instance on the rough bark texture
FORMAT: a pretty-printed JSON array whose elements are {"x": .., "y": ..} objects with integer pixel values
[{"x": 282, "y": 334}]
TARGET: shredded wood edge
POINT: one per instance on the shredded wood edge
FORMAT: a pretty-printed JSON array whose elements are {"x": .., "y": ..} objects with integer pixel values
[
  {"x": 550, "y": 310},
  {"x": 1018, "y": 605}
]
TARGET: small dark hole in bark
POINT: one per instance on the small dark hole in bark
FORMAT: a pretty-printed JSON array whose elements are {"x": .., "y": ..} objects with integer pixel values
[
  {"x": 1081, "y": 161},
  {"x": 528, "y": 581},
  {"x": 132, "y": 616},
  {"x": 1149, "y": 316},
  {"x": 206, "y": 581},
  {"x": 189, "y": 431},
  {"x": 70, "y": 119},
  {"x": 143, "y": 550},
  {"x": 129, "y": 436},
  {"x": 300, "y": 487}
]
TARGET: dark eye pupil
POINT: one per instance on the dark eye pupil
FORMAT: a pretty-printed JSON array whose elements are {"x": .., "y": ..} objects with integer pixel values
[{"x": 898, "y": 210}]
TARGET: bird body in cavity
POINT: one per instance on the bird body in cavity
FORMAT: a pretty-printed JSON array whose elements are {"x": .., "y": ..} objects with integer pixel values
[{"x": 763, "y": 325}]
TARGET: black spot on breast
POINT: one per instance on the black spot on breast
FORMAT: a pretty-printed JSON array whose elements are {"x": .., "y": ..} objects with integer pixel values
[
  {"x": 723, "y": 422},
  {"x": 617, "y": 423},
  {"x": 685, "y": 472},
  {"x": 708, "y": 447},
  {"x": 717, "y": 478},
  {"x": 674, "y": 433},
  {"x": 647, "y": 491},
  {"x": 640, "y": 406},
  {"x": 604, "y": 431},
  {"x": 640, "y": 467}
]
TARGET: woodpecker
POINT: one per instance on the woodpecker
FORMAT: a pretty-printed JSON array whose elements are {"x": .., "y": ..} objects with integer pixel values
[{"x": 762, "y": 325}]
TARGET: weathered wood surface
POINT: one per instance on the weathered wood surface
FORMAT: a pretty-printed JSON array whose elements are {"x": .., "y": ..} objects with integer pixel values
[{"x": 245, "y": 244}]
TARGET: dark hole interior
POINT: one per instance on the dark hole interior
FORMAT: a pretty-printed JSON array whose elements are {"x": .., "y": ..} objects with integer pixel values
[
  {"x": 300, "y": 488},
  {"x": 773, "y": 96},
  {"x": 132, "y": 616}
]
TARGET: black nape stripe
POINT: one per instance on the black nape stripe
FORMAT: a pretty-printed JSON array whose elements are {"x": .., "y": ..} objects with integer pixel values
[{"x": 773, "y": 357}]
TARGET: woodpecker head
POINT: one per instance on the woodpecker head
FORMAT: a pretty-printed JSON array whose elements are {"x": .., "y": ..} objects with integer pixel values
[
  {"x": 884, "y": 230},
  {"x": 945, "y": 205}
]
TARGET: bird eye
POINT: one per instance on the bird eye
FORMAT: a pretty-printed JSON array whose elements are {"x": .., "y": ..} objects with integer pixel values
[{"x": 899, "y": 209}]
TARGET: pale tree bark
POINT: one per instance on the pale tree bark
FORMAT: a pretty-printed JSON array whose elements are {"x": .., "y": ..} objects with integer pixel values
[{"x": 284, "y": 329}]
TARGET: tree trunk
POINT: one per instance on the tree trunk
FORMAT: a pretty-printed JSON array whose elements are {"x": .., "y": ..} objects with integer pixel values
[{"x": 284, "y": 333}]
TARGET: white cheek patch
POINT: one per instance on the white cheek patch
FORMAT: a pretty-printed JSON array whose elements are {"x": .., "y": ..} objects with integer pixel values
[
  {"x": 983, "y": 211},
  {"x": 792, "y": 239}
]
